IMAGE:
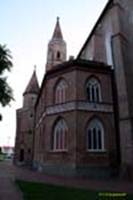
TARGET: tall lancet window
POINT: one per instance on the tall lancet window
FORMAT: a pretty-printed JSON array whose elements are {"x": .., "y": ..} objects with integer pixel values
[
  {"x": 58, "y": 55},
  {"x": 108, "y": 47},
  {"x": 59, "y": 136},
  {"x": 60, "y": 91},
  {"x": 95, "y": 136},
  {"x": 93, "y": 90}
]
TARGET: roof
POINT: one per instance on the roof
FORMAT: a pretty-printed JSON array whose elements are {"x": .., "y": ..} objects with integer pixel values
[
  {"x": 78, "y": 62},
  {"x": 109, "y": 3},
  {"x": 33, "y": 86},
  {"x": 68, "y": 65},
  {"x": 57, "y": 31}
]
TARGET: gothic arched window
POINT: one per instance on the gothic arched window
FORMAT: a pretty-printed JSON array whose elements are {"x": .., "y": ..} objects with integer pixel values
[
  {"x": 58, "y": 55},
  {"x": 95, "y": 136},
  {"x": 109, "y": 57},
  {"x": 59, "y": 139},
  {"x": 93, "y": 90},
  {"x": 60, "y": 91}
]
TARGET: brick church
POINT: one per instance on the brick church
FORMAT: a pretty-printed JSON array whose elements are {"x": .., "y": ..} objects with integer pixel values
[{"x": 80, "y": 121}]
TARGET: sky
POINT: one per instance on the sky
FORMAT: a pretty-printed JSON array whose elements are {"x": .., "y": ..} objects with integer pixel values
[{"x": 26, "y": 26}]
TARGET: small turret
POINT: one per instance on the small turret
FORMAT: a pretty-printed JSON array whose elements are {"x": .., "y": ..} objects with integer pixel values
[
  {"x": 56, "y": 48},
  {"x": 31, "y": 91}
]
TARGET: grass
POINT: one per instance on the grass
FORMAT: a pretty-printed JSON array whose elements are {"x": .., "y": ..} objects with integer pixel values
[
  {"x": 41, "y": 191},
  {"x": 2, "y": 157}
]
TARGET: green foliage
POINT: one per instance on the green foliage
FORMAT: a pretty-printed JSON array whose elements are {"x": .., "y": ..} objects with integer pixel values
[
  {"x": 2, "y": 155},
  {"x": 5, "y": 62},
  {"x": 6, "y": 94}
]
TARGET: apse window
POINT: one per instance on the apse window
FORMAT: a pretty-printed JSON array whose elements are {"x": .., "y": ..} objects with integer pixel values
[
  {"x": 59, "y": 139},
  {"x": 93, "y": 90},
  {"x": 95, "y": 136},
  {"x": 60, "y": 91}
]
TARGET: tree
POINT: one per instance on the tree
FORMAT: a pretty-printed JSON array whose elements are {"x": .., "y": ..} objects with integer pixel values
[{"x": 6, "y": 94}]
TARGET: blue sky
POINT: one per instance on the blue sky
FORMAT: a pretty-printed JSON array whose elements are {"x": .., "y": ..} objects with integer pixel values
[{"x": 26, "y": 26}]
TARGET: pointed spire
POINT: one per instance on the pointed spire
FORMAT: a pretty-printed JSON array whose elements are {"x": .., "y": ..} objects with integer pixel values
[
  {"x": 57, "y": 31},
  {"x": 33, "y": 86}
]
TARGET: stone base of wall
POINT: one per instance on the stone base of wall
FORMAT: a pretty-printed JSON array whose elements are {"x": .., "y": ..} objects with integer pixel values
[
  {"x": 71, "y": 170},
  {"x": 56, "y": 169},
  {"x": 97, "y": 172},
  {"x": 27, "y": 164},
  {"x": 126, "y": 172}
]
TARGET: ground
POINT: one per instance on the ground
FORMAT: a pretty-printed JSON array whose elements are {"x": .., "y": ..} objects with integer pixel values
[
  {"x": 9, "y": 173},
  {"x": 8, "y": 189}
]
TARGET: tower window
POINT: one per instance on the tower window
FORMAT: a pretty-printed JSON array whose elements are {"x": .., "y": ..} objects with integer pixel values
[{"x": 58, "y": 55}]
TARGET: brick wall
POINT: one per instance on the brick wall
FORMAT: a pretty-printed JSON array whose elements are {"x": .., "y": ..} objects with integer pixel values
[{"x": 76, "y": 112}]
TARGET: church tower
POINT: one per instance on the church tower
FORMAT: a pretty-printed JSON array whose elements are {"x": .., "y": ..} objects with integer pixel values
[
  {"x": 25, "y": 123},
  {"x": 56, "y": 48}
]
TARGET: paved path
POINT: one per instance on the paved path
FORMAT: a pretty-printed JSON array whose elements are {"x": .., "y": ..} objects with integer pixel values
[{"x": 8, "y": 189}]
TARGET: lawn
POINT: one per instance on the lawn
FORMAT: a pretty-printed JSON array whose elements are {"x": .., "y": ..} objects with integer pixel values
[
  {"x": 2, "y": 157},
  {"x": 40, "y": 191}
]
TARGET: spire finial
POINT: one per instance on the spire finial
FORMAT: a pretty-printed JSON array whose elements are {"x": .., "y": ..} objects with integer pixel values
[
  {"x": 57, "y": 31},
  {"x": 35, "y": 67}
]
